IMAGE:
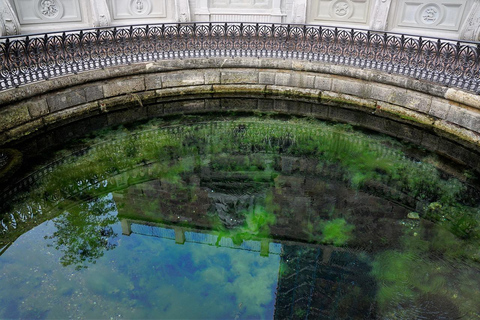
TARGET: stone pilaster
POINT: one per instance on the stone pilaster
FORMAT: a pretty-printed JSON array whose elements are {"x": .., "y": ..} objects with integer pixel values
[
  {"x": 182, "y": 8},
  {"x": 379, "y": 20},
  {"x": 471, "y": 28},
  {"x": 202, "y": 13},
  {"x": 299, "y": 11},
  {"x": 101, "y": 16},
  {"x": 9, "y": 24}
]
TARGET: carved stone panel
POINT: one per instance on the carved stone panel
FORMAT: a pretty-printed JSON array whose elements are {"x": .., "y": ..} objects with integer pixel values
[
  {"x": 243, "y": 4},
  {"x": 9, "y": 24},
  {"x": 440, "y": 15},
  {"x": 350, "y": 11},
  {"x": 47, "y": 11},
  {"x": 268, "y": 11},
  {"x": 138, "y": 9}
]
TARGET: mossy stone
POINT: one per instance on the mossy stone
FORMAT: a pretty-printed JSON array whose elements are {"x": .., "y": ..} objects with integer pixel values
[{"x": 10, "y": 161}]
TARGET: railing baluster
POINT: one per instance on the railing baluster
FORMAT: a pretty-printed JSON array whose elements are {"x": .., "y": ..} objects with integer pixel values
[{"x": 26, "y": 59}]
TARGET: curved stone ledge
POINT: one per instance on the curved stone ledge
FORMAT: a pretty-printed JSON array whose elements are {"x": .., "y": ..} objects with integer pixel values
[{"x": 158, "y": 86}]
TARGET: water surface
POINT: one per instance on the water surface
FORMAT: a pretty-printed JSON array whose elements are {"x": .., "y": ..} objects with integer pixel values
[{"x": 241, "y": 218}]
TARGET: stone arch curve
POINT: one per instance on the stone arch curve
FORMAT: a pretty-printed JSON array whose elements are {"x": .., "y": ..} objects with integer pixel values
[{"x": 372, "y": 99}]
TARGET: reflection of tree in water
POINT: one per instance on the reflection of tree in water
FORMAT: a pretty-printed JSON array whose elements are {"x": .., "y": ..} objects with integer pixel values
[{"x": 85, "y": 232}]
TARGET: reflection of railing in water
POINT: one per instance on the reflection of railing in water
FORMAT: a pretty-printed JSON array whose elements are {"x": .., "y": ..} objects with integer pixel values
[
  {"x": 182, "y": 235},
  {"x": 26, "y": 59}
]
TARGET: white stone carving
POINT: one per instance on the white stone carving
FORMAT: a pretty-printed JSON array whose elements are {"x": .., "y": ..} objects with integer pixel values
[
  {"x": 342, "y": 9},
  {"x": 299, "y": 11},
  {"x": 442, "y": 15},
  {"x": 471, "y": 27},
  {"x": 48, "y": 11},
  {"x": 379, "y": 19},
  {"x": 138, "y": 9},
  {"x": 240, "y": 4},
  {"x": 430, "y": 14},
  {"x": 100, "y": 13},
  {"x": 182, "y": 10},
  {"x": 344, "y": 12},
  {"x": 9, "y": 24},
  {"x": 239, "y": 10},
  {"x": 445, "y": 18}
]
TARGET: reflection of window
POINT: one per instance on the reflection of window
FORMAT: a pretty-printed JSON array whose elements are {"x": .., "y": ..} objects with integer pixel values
[{"x": 247, "y": 4}]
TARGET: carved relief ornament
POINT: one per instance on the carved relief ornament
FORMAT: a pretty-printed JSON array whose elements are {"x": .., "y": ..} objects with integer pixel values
[{"x": 9, "y": 24}]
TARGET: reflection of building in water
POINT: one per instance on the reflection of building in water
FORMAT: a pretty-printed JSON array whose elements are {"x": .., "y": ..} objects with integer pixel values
[
  {"x": 314, "y": 282},
  {"x": 323, "y": 283}
]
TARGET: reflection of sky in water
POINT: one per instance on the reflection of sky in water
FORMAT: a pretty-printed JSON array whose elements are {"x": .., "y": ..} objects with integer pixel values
[{"x": 143, "y": 277}]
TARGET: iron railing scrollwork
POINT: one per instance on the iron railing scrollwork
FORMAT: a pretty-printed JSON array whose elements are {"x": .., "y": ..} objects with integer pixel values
[{"x": 26, "y": 59}]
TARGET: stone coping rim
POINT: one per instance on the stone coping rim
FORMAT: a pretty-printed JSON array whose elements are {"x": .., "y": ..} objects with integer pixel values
[{"x": 31, "y": 90}]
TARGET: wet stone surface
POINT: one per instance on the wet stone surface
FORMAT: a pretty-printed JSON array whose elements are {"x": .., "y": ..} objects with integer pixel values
[{"x": 4, "y": 159}]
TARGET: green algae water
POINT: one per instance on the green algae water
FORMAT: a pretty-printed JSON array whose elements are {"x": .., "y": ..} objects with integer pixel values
[{"x": 240, "y": 218}]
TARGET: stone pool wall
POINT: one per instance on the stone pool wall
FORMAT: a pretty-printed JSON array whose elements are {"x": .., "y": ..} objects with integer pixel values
[{"x": 414, "y": 110}]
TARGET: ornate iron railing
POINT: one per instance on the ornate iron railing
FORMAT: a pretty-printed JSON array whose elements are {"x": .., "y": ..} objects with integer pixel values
[{"x": 26, "y": 59}]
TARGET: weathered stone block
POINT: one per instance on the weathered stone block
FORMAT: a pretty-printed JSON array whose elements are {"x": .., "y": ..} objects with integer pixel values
[
  {"x": 153, "y": 81},
  {"x": 25, "y": 129},
  {"x": 297, "y": 93},
  {"x": 119, "y": 102},
  {"x": 464, "y": 117},
  {"x": 293, "y": 107},
  {"x": 13, "y": 116},
  {"x": 430, "y": 141},
  {"x": 72, "y": 114},
  {"x": 425, "y": 87},
  {"x": 37, "y": 107},
  {"x": 373, "y": 122},
  {"x": 183, "y": 78},
  {"x": 388, "y": 94},
  {"x": 439, "y": 108},
  {"x": 305, "y": 81},
  {"x": 266, "y": 77},
  {"x": 66, "y": 99},
  {"x": 353, "y": 87},
  {"x": 94, "y": 92},
  {"x": 265, "y": 105},
  {"x": 418, "y": 101},
  {"x": 281, "y": 106},
  {"x": 401, "y": 113},
  {"x": 240, "y": 76},
  {"x": 338, "y": 99},
  {"x": 346, "y": 115},
  {"x": 239, "y": 90},
  {"x": 467, "y": 98},
  {"x": 320, "y": 110},
  {"x": 184, "y": 107},
  {"x": 282, "y": 78},
  {"x": 155, "y": 110},
  {"x": 124, "y": 85},
  {"x": 212, "y": 104},
  {"x": 126, "y": 116},
  {"x": 212, "y": 77},
  {"x": 448, "y": 129},
  {"x": 323, "y": 82},
  {"x": 239, "y": 104},
  {"x": 405, "y": 131},
  {"x": 173, "y": 93},
  {"x": 453, "y": 150}
]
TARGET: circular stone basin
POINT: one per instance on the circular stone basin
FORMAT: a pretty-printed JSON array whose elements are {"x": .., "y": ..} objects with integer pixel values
[{"x": 240, "y": 218}]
